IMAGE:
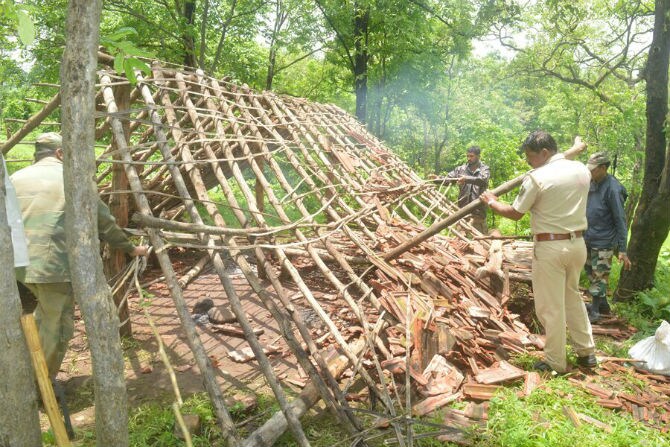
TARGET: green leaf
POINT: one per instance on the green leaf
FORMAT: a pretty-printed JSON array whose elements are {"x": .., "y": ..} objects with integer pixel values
[
  {"x": 119, "y": 62},
  {"x": 121, "y": 33},
  {"x": 26, "y": 27},
  {"x": 133, "y": 63},
  {"x": 131, "y": 50},
  {"x": 130, "y": 74}
]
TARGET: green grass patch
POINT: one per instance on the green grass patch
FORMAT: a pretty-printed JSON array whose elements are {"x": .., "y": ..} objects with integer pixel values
[{"x": 539, "y": 421}]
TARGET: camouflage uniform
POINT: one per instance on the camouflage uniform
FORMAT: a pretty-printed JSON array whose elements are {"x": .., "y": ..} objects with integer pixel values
[
  {"x": 476, "y": 182},
  {"x": 40, "y": 192},
  {"x": 598, "y": 266},
  {"x": 607, "y": 233}
]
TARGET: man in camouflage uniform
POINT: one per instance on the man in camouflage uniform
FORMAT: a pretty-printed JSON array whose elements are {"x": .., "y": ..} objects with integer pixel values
[
  {"x": 473, "y": 179},
  {"x": 40, "y": 192},
  {"x": 607, "y": 231}
]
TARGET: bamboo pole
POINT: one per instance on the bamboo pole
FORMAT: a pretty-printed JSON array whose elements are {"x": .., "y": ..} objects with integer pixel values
[
  {"x": 119, "y": 206},
  {"x": 236, "y": 305},
  {"x": 43, "y": 380},
  {"x": 225, "y": 421},
  {"x": 31, "y": 124},
  {"x": 506, "y": 187},
  {"x": 270, "y": 431},
  {"x": 285, "y": 262}
]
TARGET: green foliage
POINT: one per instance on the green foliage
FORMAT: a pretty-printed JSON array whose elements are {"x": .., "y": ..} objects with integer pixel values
[
  {"x": 653, "y": 305},
  {"x": 125, "y": 53},
  {"x": 153, "y": 424},
  {"x": 18, "y": 16},
  {"x": 644, "y": 313}
]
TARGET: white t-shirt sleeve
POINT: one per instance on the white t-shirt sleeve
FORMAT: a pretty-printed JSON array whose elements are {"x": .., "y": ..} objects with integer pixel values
[{"x": 15, "y": 223}]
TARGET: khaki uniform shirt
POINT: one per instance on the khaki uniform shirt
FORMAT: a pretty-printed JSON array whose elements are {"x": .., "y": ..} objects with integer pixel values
[
  {"x": 555, "y": 194},
  {"x": 19, "y": 243},
  {"x": 40, "y": 191}
]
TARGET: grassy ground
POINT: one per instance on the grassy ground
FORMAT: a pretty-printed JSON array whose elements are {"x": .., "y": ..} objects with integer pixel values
[{"x": 535, "y": 421}]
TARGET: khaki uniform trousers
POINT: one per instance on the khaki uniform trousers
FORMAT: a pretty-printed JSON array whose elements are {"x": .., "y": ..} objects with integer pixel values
[
  {"x": 556, "y": 269},
  {"x": 54, "y": 316}
]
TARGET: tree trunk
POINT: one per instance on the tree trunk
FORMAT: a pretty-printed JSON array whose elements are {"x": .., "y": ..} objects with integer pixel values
[
  {"x": 88, "y": 281},
  {"x": 652, "y": 217},
  {"x": 222, "y": 38},
  {"x": 635, "y": 182},
  {"x": 119, "y": 206},
  {"x": 272, "y": 62},
  {"x": 19, "y": 422},
  {"x": 189, "y": 41},
  {"x": 203, "y": 35},
  {"x": 361, "y": 57}
]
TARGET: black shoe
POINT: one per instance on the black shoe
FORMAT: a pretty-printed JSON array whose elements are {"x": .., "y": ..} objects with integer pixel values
[
  {"x": 592, "y": 313},
  {"x": 587, "y": 361},
  {"x": 542, "y": 366},
  {"x": 605, "y": 308}
]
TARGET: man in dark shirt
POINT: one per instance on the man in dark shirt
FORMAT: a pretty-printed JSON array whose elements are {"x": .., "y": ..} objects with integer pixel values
[
  {"x": 473, "y": 179},
  {"x": 607, "y": 232}
]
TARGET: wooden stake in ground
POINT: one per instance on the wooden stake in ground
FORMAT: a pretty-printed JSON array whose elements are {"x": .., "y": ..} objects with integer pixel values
[
  {"x": 42, "y": 374},
  {"x": 577, "y": 148}
]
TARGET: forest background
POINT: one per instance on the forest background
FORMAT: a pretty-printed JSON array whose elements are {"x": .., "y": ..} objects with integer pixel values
[{"x": 430, "y": 78}]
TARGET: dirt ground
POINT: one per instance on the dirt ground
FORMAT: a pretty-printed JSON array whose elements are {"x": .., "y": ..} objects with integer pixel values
[{"x": 147, "y": 379}]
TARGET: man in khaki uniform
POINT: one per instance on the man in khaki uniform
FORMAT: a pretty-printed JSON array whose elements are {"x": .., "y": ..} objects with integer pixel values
[
  {"x": 555, "y": 192},
  {"x": 40, "y": 192}
]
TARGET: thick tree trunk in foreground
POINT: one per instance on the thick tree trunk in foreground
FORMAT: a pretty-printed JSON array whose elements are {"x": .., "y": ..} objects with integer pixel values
[
  {"x": 652, "y": 217},
  {"x": 88, "y": 281},
  {"x": 19, "y": 423}
]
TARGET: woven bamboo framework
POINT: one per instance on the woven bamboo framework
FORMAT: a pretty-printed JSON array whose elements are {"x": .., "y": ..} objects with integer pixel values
[{"x": 277, "y": 185}]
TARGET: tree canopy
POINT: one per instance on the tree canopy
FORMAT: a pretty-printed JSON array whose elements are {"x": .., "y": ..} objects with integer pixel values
[{"x": 428, "y": 77}]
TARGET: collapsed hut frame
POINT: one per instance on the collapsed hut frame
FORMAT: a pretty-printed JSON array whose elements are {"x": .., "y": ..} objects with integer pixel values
[{"x": 281, "y": 182}]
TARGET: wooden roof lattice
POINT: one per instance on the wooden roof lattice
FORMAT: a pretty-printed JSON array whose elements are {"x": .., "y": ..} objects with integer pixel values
[{"x": 279, "y": 184}]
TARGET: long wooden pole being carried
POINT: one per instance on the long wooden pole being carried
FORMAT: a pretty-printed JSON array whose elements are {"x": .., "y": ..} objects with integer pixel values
[{"x": 577, "y": 148}]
